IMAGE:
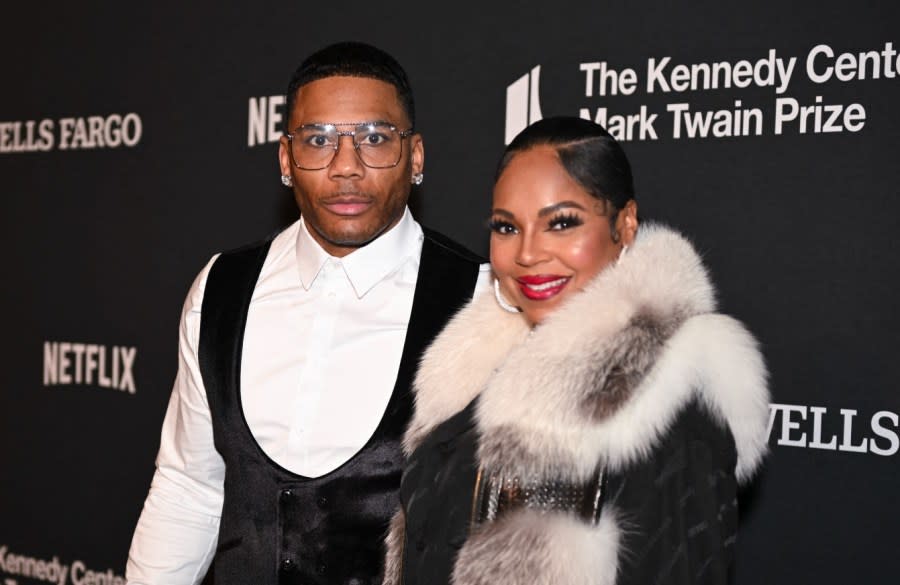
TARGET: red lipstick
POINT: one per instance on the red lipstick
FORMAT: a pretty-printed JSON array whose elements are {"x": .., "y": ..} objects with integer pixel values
[{"x": 540, "y": 287}]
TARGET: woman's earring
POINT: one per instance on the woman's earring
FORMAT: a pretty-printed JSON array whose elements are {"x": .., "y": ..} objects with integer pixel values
[
  {"x": 621, "y": 254},
  {"x": 286, "y": 180},
  {"x": 504, "y": 304},
  {"x": 417, "y": 178}
]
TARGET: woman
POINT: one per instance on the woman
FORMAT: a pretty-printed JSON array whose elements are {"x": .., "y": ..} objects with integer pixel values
[{"x": 589, "y": 423}]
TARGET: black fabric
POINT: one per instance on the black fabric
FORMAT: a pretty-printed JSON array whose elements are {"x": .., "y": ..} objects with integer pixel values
[
  {"x": 676, "y": 507},
  {"x": 680, "y": 506},
  {"x": 280, "y": 527},
  {"x": 437, "y": 493}
]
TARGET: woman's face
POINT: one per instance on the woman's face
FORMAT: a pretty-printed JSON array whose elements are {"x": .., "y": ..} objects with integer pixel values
[{"x": 549, "y": 237}]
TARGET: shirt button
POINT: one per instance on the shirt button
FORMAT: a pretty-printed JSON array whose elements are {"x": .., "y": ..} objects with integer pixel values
[
  {"x": 320, "y": 568},
  {"x": 322, "y": 501},
  {"x": 287, "y": 565},
  {"x": 286, "y": 493}
]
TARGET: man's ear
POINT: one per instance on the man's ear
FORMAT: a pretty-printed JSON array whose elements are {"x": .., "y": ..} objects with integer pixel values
[
  {"x": 417, "y": 153},
  {"x": 284, "y": 156}
]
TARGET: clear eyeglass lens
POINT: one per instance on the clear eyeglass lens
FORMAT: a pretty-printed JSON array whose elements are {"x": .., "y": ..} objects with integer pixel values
[{"x": 378, "y": 145}]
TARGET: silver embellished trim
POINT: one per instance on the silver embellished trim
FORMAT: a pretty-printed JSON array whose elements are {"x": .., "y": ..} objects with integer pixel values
[{"x": 496, "y": 494}]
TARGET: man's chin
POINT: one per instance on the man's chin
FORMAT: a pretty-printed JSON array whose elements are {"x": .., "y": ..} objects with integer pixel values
[
  {"x": 358, "y": 237},
  {"x": 347, "y": 240},
  {"x": 347, "y": 235},
  {"x": 354, "y": 239}
]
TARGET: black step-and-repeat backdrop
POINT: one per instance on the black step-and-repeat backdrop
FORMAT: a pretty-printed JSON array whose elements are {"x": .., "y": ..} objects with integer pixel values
[{"x": 138, "y": 139}]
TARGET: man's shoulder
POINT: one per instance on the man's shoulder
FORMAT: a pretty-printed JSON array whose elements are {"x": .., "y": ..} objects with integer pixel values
[
  {"x": 246, "y": 261},
  {"x": 276, "y": 238},
  {"x": 450, "y": 247}
]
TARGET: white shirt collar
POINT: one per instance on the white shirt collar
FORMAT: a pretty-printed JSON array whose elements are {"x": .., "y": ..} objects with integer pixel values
[{"x": 367, "y": 265}]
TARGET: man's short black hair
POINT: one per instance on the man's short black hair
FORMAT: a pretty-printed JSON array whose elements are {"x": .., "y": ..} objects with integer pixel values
[{"x": 353, "y": 59}]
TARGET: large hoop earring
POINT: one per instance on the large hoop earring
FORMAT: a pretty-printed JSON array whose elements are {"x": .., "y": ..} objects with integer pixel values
[
  {"x": 504, "y": 304},
  {"x": 621, "y": 254}
]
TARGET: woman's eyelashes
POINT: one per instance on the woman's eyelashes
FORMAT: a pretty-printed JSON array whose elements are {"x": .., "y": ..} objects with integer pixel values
[
  {"x": 557, "y": 223},
  {"x": 501, "y": 226},
  {"x": 564, "y": 221}
]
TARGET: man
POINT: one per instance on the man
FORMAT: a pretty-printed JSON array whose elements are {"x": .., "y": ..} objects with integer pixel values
[{"x": 280, "y": 452}]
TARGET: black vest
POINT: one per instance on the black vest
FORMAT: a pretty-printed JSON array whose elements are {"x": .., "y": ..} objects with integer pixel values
[{"x": 284, "y": 528}]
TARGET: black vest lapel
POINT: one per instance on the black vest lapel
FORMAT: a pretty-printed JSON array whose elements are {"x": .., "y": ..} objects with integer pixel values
[
  {"x": 445, "y": 284},
  {"x": 226, "y": 299}
]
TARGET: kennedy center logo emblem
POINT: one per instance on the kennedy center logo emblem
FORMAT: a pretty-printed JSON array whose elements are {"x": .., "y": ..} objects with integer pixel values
[{"x": 523, "y": 105}]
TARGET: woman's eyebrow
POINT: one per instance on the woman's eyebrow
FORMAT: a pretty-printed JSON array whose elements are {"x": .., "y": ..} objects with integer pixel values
[{"x": 557, "y": 206}]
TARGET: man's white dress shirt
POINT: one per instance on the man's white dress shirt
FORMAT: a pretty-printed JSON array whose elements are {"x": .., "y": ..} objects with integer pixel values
[{"x": 321, "y": 352}]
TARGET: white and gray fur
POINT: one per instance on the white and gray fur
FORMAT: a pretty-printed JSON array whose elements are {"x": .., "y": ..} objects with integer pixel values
[{"x": 598, "y": 382}]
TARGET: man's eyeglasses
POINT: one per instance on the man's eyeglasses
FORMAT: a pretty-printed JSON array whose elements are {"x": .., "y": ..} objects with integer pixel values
[{"x": 378, "y": 144}]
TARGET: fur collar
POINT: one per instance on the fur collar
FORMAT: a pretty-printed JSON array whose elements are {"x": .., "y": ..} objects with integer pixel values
[{"x": 602, "y": 378}]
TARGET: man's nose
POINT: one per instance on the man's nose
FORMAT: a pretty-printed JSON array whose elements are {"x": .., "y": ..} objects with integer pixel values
[{"x": 346, "y": 160}]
